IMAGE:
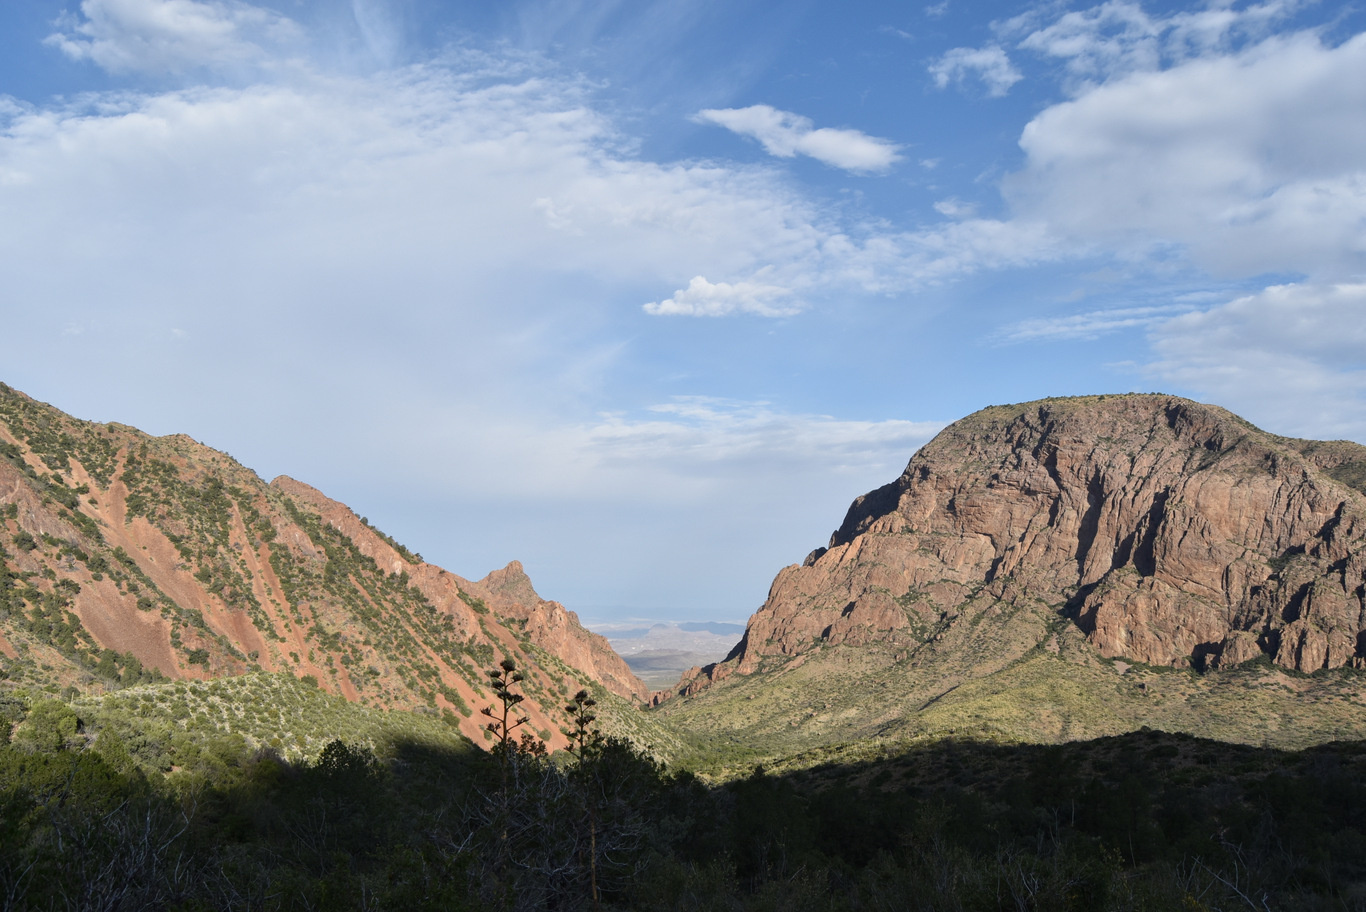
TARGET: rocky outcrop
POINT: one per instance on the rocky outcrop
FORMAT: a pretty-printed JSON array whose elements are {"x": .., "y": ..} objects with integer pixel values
[
  {"x": 1168, "y": 531},
  {"x": 508, "y": 593},
  {"x": 557, "y": 630}
]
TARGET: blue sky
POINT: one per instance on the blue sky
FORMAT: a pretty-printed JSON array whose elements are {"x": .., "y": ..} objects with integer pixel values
[{"x": 644, "y": 294}]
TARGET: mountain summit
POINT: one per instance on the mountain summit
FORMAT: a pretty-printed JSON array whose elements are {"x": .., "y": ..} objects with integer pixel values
[{"x": 1145, "y": 529}]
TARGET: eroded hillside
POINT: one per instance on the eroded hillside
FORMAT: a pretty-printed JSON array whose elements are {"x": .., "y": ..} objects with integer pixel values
[{"x": 127, "y": 557}]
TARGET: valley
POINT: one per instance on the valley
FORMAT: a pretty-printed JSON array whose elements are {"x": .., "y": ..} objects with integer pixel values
[{"x": 1105, "y": 609}]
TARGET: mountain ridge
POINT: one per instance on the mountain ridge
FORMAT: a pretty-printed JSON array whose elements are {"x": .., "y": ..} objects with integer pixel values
[{"x": 124, "y": 555}]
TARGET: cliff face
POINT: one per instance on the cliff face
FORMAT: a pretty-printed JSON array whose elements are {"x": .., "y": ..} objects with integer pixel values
[
  {"x": 1169, "y": 532},
  {"x": 122, "y": 553}
]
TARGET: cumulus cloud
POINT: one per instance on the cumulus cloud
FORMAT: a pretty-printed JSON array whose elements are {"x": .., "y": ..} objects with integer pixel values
[
  {"x": 785, "y": 135},
  {"x": 989, "y": 64},
  {"x": 1292, "y": 357},
  {"x": 172, "y": 36},
  {"x": 707, "y": 299},
  {"x": 1251, "y": 162}
]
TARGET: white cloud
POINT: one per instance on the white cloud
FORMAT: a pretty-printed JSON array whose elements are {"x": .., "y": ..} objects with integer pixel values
[
  {"x": 1291, "y": 358},
  {"x": 380, "y": 28},
  {"x": 955, "y": 209},
  {"x": 946, "y": 252},
  {"x": 1105, "y": 40},
  {"x": 785, "y": 135},
  {"x": 411, "y": 175},
  {"x": 1090, "y": 325},
  {"x": 989, "y": 64},
  {"x": 706, "y": 299},
  {"x": 159, "y": 36},
  {"x": 700, "y": 436},
  {"x": 1251, "y": 162},
  {"x": 1119, "y": 37}
]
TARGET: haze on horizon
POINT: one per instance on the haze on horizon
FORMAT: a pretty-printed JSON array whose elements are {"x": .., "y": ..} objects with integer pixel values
[{"x": 644, "y": 294}]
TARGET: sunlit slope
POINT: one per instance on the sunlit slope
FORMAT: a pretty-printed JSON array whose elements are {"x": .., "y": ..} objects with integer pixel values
[
  {"x": 126, "y": 558},
  {"x": 1066, "y": 569}
]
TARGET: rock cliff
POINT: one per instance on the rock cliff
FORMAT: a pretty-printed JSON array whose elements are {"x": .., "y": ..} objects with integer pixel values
[{"x": 1169, "y": 532}]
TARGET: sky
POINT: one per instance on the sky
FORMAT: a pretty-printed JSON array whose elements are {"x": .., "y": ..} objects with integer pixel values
[{"x": 644, "y": 293}]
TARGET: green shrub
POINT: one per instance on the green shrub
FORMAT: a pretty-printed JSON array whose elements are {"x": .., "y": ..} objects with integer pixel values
[{"x": 50, "y": 726}]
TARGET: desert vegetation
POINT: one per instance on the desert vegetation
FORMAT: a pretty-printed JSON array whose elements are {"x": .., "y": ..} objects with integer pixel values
[{"x": 264, "y": 793}]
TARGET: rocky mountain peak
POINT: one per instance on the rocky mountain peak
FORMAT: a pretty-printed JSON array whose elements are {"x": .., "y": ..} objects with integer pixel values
[
  {"x": 513, "y": 583},
  {"x": 1169, "y": 532}
]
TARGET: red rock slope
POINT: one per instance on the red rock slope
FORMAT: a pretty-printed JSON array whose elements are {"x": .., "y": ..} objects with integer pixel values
[{"x": 124, "y": 555}]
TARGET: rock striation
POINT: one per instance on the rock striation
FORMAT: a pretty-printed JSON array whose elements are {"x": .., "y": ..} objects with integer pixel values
[{"x": 1169, "y": 532}]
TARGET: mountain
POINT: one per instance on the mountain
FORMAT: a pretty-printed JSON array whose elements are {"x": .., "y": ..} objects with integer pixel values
[
  {"x": 1096, "y": 552},
  {"x": 126, "y": 557}
]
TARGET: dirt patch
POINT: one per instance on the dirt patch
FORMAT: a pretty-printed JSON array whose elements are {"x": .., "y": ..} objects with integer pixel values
[{"x": 114, "y": 620}]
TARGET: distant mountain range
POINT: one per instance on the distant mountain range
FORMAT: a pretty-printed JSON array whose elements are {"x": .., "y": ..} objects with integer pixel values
[
  {"x": 1062, "y": 569},
  {"x": 661, "y": 653},
  {"x": 125, "y": 557}
]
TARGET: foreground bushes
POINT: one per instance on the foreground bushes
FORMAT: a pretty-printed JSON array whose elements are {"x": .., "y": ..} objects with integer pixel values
[{"x": 1147, "y": 821}]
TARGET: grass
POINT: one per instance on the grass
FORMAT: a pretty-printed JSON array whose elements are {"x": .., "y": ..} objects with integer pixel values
[
  {"x": 164, "y": 726},
  {"x": 858, "y": 703}
]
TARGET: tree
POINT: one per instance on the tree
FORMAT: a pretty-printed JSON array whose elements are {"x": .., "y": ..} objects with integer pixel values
[
  {"x": 584, "y": 743},
  {"x": 583, "y": 738},
  {"x": 507, "y": 806},
  {"x": 505, "y": 719}
]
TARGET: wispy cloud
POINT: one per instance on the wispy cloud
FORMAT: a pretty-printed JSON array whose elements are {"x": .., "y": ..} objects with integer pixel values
[
  {"x": 1090, "y": 325},
  {"x": 785, "y": 135},
  {"x": 696, "y": 434},
  {"x": 1119, "y": 37}
]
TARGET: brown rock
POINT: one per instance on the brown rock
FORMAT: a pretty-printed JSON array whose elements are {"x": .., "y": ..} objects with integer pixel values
[
  {"x": 1238, "y": 647},
  {"x": 1168, "y": 531}
]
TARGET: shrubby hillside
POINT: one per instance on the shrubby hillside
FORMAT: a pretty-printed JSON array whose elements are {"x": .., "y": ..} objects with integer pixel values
[
  {"x": 127, "y": 559},
  {"x": 126, "y": 802}
]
